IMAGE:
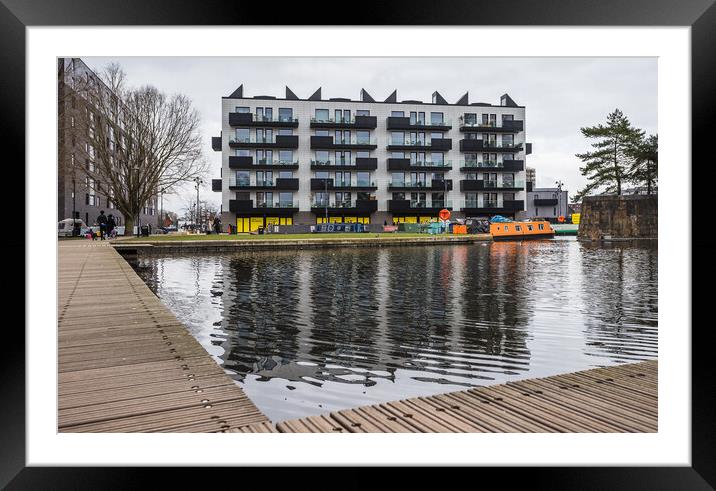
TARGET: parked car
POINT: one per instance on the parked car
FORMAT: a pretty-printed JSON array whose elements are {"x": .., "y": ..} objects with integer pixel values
[{"x": 64, "y": 227}]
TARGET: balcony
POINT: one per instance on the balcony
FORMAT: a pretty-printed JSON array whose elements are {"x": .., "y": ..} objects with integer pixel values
[
  {"x": 363, "y": 163},
  {"x": 416, "y": 206},
  {"x": 236, "y": 162},
  {"x": 546, "y": 202},
  {"x": 280, "y": 184},
  {"x": 364, "y": 206},
  {"x": 358, "y": 122},
  {"x": 277, "y": 208},
  {"x": 435, "y": 144},
  {"x": 322, "y": 184},
  {"x": 403, "y": 123},
  {"x": 483, "y": 185},
  {"x": 327, "y": 143},
  {"x": 216, "y": 185},
  {"x": 504, "y": 166},
  {"x": 216, "y": 143},
  {"x": 250, "y": 119},
  {"x": 406, "y": 164},
  {"x": 475, "y": 145},
  {"x": 277, "y": 141},
  {"x": 428, "y": 185},
  {"x": 514, "y": 126},
  {"x": 476, "y": 207}
]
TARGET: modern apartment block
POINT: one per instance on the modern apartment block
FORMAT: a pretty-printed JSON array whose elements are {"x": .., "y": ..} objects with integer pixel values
[
  {"x": 307, "y": 161},
  {"x": 549, "y": 203},
  {"x": 79, "y": 189}
]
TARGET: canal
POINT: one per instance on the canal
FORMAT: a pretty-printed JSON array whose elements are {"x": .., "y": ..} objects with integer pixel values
[{"x": 310, "y": 331}]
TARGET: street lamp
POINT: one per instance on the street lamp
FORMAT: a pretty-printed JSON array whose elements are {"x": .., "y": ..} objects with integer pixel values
[
  {"x": 559, "y": 197},
  {"x": 198, "y": 182}
]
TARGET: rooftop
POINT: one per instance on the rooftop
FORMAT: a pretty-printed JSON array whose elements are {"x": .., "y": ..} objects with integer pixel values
[{"x": 365, "y": 97}]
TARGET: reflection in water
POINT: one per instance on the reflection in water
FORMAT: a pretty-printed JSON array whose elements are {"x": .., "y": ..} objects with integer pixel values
[{"x": 307, "y": 332}]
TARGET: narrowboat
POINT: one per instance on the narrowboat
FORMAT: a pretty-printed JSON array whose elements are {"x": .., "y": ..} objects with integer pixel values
[{"x": 532, "y": 229}]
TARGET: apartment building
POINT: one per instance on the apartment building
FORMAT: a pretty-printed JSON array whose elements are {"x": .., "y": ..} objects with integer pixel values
[
  {"x": 549, "y": 203},
  {"x": 306, "y": 161},
  {"x": 80, "y": 190}
]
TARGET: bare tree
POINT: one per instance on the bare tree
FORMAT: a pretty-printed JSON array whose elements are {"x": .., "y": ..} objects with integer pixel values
[{"x": 140, "y": 141}]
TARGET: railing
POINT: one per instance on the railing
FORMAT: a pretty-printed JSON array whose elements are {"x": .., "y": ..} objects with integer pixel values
[
  {"x": 487, "y": 125},
  {"x": 334, "y": 204},
  {"x": 411, "y": 143},
  {"x": 354, "y": 141},
  {"x": 274, "y": 162},
  {"x": 420, "y": 122},
  {"x": 476, "y": 204},
  {"x": 277, "y": 204},
  {"x": 348, "y": 184},
  {"x": 267, "y": 183},
  {"x": 443, "y": 183},
  {"x": 421, "y": 163},
  {"x": 494, "y": 144},
  {"x": 332, "y": 120},
  {"x": 481, "y": 164},
  {"x": 504, "y": 184},
  {"x": 264, "y": 119},
  {"x": 254, "y": 139},
  {"x": 345, "y": 163},
  {"x": 433, "y": 204}
]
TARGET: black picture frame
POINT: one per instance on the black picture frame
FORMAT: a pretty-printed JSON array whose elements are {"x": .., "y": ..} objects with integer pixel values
[{"x": 700, "y": 15}]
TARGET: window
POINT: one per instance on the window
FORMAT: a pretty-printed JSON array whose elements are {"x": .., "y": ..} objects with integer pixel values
[
  {"x": 243, "y": 178},
  {"x": 285, "y": 131},
  {"x": 417, "y": 117},
  {"x": 470, "y": 119},
  {"x": 264, "y": 156},
  {"x": 342, "y": 179},
  {"x": 363, "y": 178},
  {"x": 322, "y": 156},
  {"x": 507, "y": 228},
  {"x": 285, "y": 174},
  {"x": 322, "y": 174},
  {"x": 362, "y": 112},
  {"x": 436, "y": 118},
  {"x": 285, "y": 114},
  {"x": 363, "y": 154},
  {"x": 540, "y": 226},
  {"x": 243, "y": 134},
  {"x": 518, "y": 228},
  {"x": 529, "y": 227},
  {"x": 264, "y": 135},
  {"x": 343, "y": 158},
  {"x": 436, "y": 135},
  {"x": 397, "y": 155},
  {"x": 285, "y": 156},
  {"x": 322, "y": 115},
  {"x": 264, "y": 114},
  {"x": 242, "y": 109},
  {"x": 397, "y": 138},
  {"x": 343, "y": 116},
  {"x": 508, "y": 140},
  {"x": 320, "y": 198},
  {"x": 285, "y": 200},
  {"x": 507, "y": 117},
  {"x": 264, "y": 178},
  {"x": 323, "y": 133},
  {"x": 397, "y": 114},
  {"x": 242, "y": 152},
  {"x": 363, "y": 137},
  {"x": 262, "y": 199},
  {"x": 397, "y": 179},
  {"x": 437, "y": 158}
]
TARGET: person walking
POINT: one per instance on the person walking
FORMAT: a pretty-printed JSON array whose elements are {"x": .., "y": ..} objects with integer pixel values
[
  {"x": 217, "y": 225},
  {"x": 102, "y": 222},
  {"x": 111, "y": 224}
]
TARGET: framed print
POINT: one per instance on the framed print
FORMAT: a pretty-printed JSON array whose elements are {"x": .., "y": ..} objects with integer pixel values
[{"x": 267, "y": 227}]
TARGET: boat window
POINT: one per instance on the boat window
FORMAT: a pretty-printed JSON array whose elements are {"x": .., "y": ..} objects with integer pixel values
[
  {"x": 529, "y": 227},
  {"x": 507, "y": 228},
  {"x": 518, "y": 228},
  {"x": 541, "y": 226}
]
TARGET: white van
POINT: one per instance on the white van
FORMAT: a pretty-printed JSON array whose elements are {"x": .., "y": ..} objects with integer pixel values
[{"x": 64, "y": 227}]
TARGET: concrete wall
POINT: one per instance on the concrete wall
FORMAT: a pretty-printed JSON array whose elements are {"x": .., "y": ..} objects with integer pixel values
[{"x": 619, "y": 217}]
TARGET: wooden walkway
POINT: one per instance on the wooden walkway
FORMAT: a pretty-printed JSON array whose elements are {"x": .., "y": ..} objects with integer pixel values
[
  {"x": 126, "y": 364},
  {"x": 618, "y": 399}
]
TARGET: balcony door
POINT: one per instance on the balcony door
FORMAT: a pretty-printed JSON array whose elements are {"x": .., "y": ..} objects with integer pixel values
[{"x": 264, "y": 178}]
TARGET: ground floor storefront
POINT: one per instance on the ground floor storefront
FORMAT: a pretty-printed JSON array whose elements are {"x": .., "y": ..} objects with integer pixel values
[{"x": 253, "y": 223}]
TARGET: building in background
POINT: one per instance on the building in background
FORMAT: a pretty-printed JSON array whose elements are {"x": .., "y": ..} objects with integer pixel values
[
  {"x": 307, "y": 161},
  {"x": 548, "y": 203},
  {"x": 79, "y": 188},
  {"x": 530, "y": 178}
]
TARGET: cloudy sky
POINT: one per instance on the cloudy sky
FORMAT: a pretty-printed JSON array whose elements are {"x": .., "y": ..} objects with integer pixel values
[{"x": 560, "y": 94}]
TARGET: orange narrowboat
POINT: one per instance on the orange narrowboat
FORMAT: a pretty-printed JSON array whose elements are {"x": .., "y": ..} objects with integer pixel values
[{"x": 533, "y": 229}]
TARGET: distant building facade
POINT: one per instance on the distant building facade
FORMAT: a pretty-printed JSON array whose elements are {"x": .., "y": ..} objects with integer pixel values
[
  {"x": 530, "y": 178},
  {"x": 549, "y": 203},
  {"x": 306, "y": 161},
  {"x": 80, "y": 191}
]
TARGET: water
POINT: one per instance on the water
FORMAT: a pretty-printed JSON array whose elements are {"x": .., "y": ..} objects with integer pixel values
[{"x": 310, "y": 331}]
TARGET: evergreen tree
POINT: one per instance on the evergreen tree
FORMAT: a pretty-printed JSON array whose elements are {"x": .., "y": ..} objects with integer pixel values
[
  {"x": 608, "y": 165},
  {"x": 645, "y": 155}
]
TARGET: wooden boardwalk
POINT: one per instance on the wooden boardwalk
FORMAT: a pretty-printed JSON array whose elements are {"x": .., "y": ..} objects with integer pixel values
[
  {"x": 126, "y": 364},
  {"x": 618, "y": 399}
]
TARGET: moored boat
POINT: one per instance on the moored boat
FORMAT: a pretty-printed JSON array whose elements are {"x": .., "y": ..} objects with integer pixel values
[{"x": 531, "y": 229}]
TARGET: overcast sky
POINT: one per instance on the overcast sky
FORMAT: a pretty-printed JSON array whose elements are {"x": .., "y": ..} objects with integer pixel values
[{"x": 560, "y": 94}]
